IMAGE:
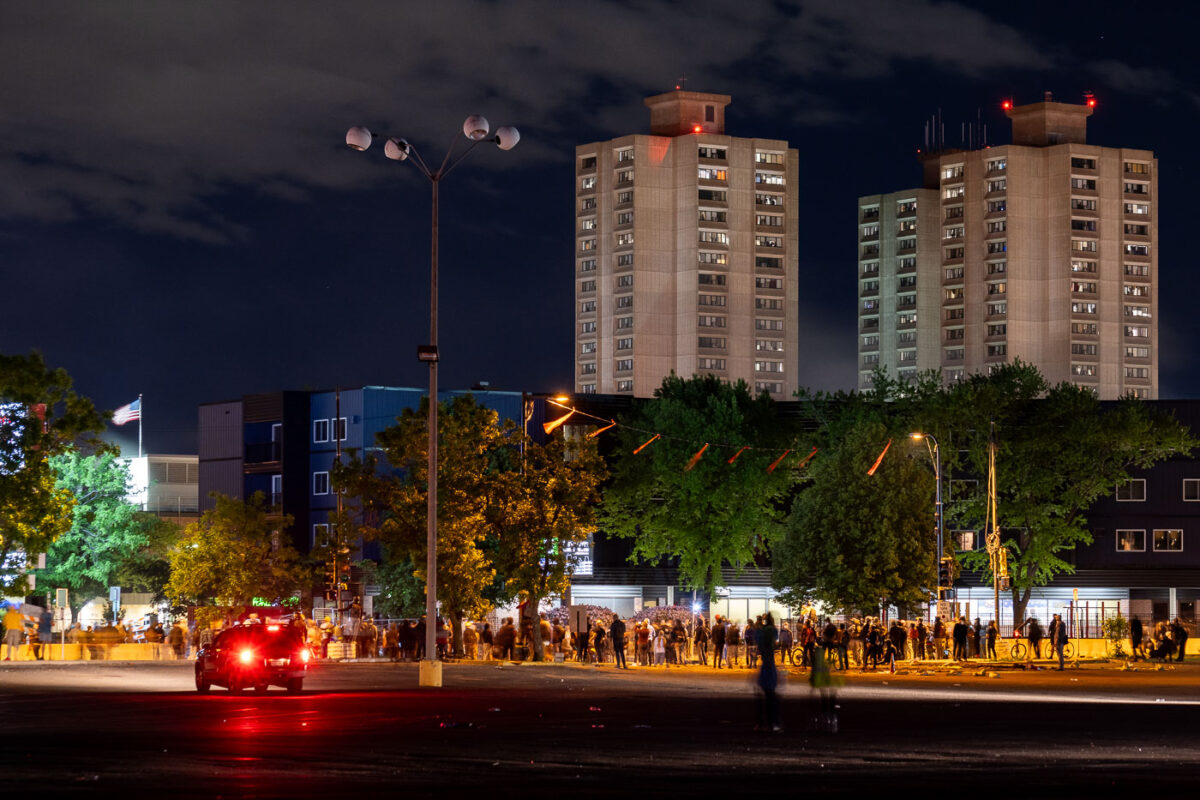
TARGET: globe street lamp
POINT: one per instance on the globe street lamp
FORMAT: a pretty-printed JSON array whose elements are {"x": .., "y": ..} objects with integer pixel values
[
  {"x": 936, "y": 456},
  {"x": 476, "y": 129}
]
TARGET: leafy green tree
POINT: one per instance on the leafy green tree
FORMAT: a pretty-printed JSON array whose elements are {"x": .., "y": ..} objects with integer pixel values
[
  {"x": 109, "y": 538},
  {"x": 855, "y": 540},
  {"x": 1059, "y": 450},
  {"x": 713, "y": 515},
  {"x": 41, "y": 417},
  {"x": 234, "y": 554},
  {"x": 401, "y": 592},
  {"x": 540, "y": 513}
]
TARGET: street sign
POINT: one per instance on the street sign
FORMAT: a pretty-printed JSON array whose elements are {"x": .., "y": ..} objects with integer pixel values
[
  {"x": 60, "y": 598},
  {"x": 114, "y": 597},
  {"x": 943, "y": 609}
]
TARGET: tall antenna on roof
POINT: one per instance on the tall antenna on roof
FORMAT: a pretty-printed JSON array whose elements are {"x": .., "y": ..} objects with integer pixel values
[{"x": 681, "y": 84}]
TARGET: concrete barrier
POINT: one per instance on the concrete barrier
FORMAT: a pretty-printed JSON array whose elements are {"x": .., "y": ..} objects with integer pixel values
[{"x": 98, "y": 652}]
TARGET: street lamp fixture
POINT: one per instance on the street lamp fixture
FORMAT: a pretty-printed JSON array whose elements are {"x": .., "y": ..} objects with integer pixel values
[
  {"x": 935, "y": 456},
  {"x": 476, "y": 129}
]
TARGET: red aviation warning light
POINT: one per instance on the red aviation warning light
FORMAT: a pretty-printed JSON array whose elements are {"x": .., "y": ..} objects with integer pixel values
[
  {"x": 696, "y": 129},
  {"x": 1006, "y": 105},
  {"x": 1090, "y": 99}
]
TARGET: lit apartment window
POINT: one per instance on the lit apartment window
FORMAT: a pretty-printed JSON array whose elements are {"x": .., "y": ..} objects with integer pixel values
[
  {"x": 1083, "y": 349},
  {"x": 625, "y": 343},
  {"x": 588, "y": 224},
  {"x": 907, "y": 356},
  {"x": 624, "y": 323},
  {"x": 906, "y": 337},
  {"x": 587, "y": 306},
  {"x": 997, "y": 267},
  {"x": 713, "y": 258},
  {"x": 1000, "y": 329},
  {"x": 768, "y": 366},
  {"x": 955, "y": 334},
  {"x": 588, "y": 368},
  {"x": 769, "y": 178},
  {"x": 624, "y": 176},
  {"x": 1132, "y": 492},
  {"x": 712, "y": 215},
  {"x": 587, "y": 265},
  {"x": 955, "y": 293},
  {"x": 714, "y": 237},
  {"x": 589, "y": 388},
  {"x": 587, "y": 347},
  {"x": 1129, "y": 541},
  {"x": 1085, "y": 328},
  {"x": 624, "y": 364},
  {"x": 624, "y": 217},
  {"x": 710, "y": 321},
  {"x": 768, "y": 303},
  {"x": 712, "y": 299},
  {"x": 1083, "y": 287},
  {"x": 953, "y": 172},
  {"x": 1137, "y": 311},
  {"x": 761, "y": 157},
  {"x": 1000, "y": 185},
  {"x": 587, "y": 327},
  {"x": 1083, "y": 163},
  {"x": 711, "y": 279},
  {"x": 1137, "y": 352},
  {"x": 587, "y": 244},
  {"x": 954, "y": 273},
  {"x": 1083, "y": 266},
  {"x": 906, "y": 244},
  {"x": 1084, "y": 370},
  {"x": 764, "y": 199},
  {"x": 625, "y": 154},
  {"x": 712, "y": 174},
  {"x": 1137, "y": 332},
  {"x": 624, "y": 386},
  {"x": 320, "y": 483},
  {"x": 1137, "y": 188},
  {"x": 1137, "y": 168},
  {"x": 713, "y": 195},
  {"x": 871, "y": 268},
  {"x": 1084, "y": 245},
  {"x": 624, "y": 239},
  {"x": 717, "y": 153},
  {"x": 997, "y": 309},
  {"x": 587, "y": 286},
  {"x": 624, "y": 281},
  {"x": 1137, "y": 372},
  {"x": 997, "y": 164},
  {"x": 1137, "y": 270},
  {"x": 587, "y": 204},
  {"x": 906, "y": 262},
  {"x": 906, "y": 207},
  {"x": 997, "y": 206},
  {"x": 1138, "y": 209},
  {"x": 909, "y": 318},
  {"x": 907, "y": 281},
  {"x": 587, "y": 183},
  {"x": 1082, "y": 204},
  {"x": 1168, "y": 540},
  {"x": 906, "y": 226},
  {"x": 954, "y": 252},
  {"x": 711, "y": 342},
  {"x": 776, "y": 221},
  {"x": 1083, "y": 308},
  {"x": 1088, "y": 184},
  {"x": 995, "y": 350},
  {"x": 768, "y": 324},
  {"x": 1137, "y": 290},
  {"x": 771, "y": 283},
  {"x": 870, "y": 305},
  {"x": 776, "y": 345},
  {"x": 955, "y": 232},
  {"x": 625, "y": 301},
  {"x": 710, "y": 363},
  {"x": 998, "y": 226},
  {"x": 1000, "y": 287},
  {"x": 777, "y": 241},
  {"x": 624, "y": 197}
]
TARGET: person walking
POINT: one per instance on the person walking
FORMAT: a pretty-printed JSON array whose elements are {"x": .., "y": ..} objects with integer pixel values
[
  {"x": 785, "y": 645},
  {"x": 1180, "y": 634},
  {"x": 616, "y": 632},
  {"x": 960, "y": 639},
  {"x": 718, "y": 641},
  {"x": 843, "y": 647},
  {"x": 45, "y": 634},
  {"x": 977, "y": 648},
  {"x": 1034, "y": 637},
  {"x": 939, "y": 639},
  {"x": 993, "y": 633},
  {"x": 732, "y": 640},
  {"x": 765, "y": 638},
  {"x": 1135, "y": 636},
  {"x": 14, "y": 632},
  {"x": 922, "y": 636},
  {"x": 701, "y": 640}
]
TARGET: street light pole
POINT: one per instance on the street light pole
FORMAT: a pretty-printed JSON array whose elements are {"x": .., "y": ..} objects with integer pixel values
[
  {"x": 475, "y": 128},
  {"x": 935, "y": 455}
]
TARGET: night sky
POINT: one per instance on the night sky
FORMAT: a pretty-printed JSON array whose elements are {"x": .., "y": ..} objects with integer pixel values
[{"x": 179, "y": 215}]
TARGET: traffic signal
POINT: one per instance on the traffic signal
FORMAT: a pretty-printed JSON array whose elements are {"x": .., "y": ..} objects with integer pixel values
[{"x": 946, "y": 573}]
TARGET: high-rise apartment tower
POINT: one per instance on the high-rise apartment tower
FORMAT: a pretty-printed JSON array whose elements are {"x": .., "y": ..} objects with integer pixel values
[
  {"x": 685, "y": 254},
  {"x": 1043, "y": 250}
]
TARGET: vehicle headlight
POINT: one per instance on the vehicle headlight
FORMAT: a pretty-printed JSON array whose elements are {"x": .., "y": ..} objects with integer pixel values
[{"x": 246, "y": 656}]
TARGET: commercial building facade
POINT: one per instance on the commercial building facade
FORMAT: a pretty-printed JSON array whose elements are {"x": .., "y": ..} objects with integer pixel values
[
  {"x": 1046, "y": 252},
  {"x": 685, "y": 254}
]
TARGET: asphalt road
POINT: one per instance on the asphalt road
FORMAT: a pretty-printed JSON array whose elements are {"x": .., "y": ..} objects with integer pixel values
[{"x": 108, "y": 729}]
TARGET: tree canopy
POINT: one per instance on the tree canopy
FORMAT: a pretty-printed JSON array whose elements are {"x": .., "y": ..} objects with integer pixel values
[{"x": 715, "y": 514}]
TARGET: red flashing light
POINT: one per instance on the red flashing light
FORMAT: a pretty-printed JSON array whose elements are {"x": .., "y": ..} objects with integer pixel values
[
  {"x": 272, "y": 628},
  {"x": 305, "y": 655},
  {"x": 246, "y": 656},
  {"x": 1006, "y": 105},
  {"x": 1091, "y": 101},
  {"x": 696, "y": 129}
]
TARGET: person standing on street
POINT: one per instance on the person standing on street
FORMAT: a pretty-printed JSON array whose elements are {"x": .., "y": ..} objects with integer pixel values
[
  {"x": 977, "y": 651},
  {"x": 701, "y": 639},
  {"x": 1135, "y": 636},
  {"x": 46, "y": 634},
  {"x": 14, "y": 632},
  {"x": 718, "y": 641},
  {"x": 1058, "y": 638},
  {"x": 1181, "y": 636},
  {"x": 768, "y": 676},
  {"x": 992, "y": 633},
  {"x": 960, "y": 639},
  {"x": 617, "y": 633}
]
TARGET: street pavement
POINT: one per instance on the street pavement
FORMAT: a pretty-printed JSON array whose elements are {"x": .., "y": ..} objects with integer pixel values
[{"x": 112, "y": 728}]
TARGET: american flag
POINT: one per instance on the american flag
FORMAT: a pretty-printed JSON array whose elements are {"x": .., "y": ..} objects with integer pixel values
[{"x": 128, "y": 413}]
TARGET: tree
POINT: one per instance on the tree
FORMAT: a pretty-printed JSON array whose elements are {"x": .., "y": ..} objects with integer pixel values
[
  {"x": 109, "y": 538},
  {"x": 472, "y": 446},
  {"x": 540, "y": 513},
  {"x": 40, "y": 417},
  {"x": 855, "y": 540},
  {"x": 234, "y": 555},
  {"x": 1059, "y": 449},
  {"x": 715, "y": 514}
]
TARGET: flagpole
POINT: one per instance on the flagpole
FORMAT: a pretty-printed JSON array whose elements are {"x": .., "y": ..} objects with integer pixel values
[{"x": 141, "y": 411}]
